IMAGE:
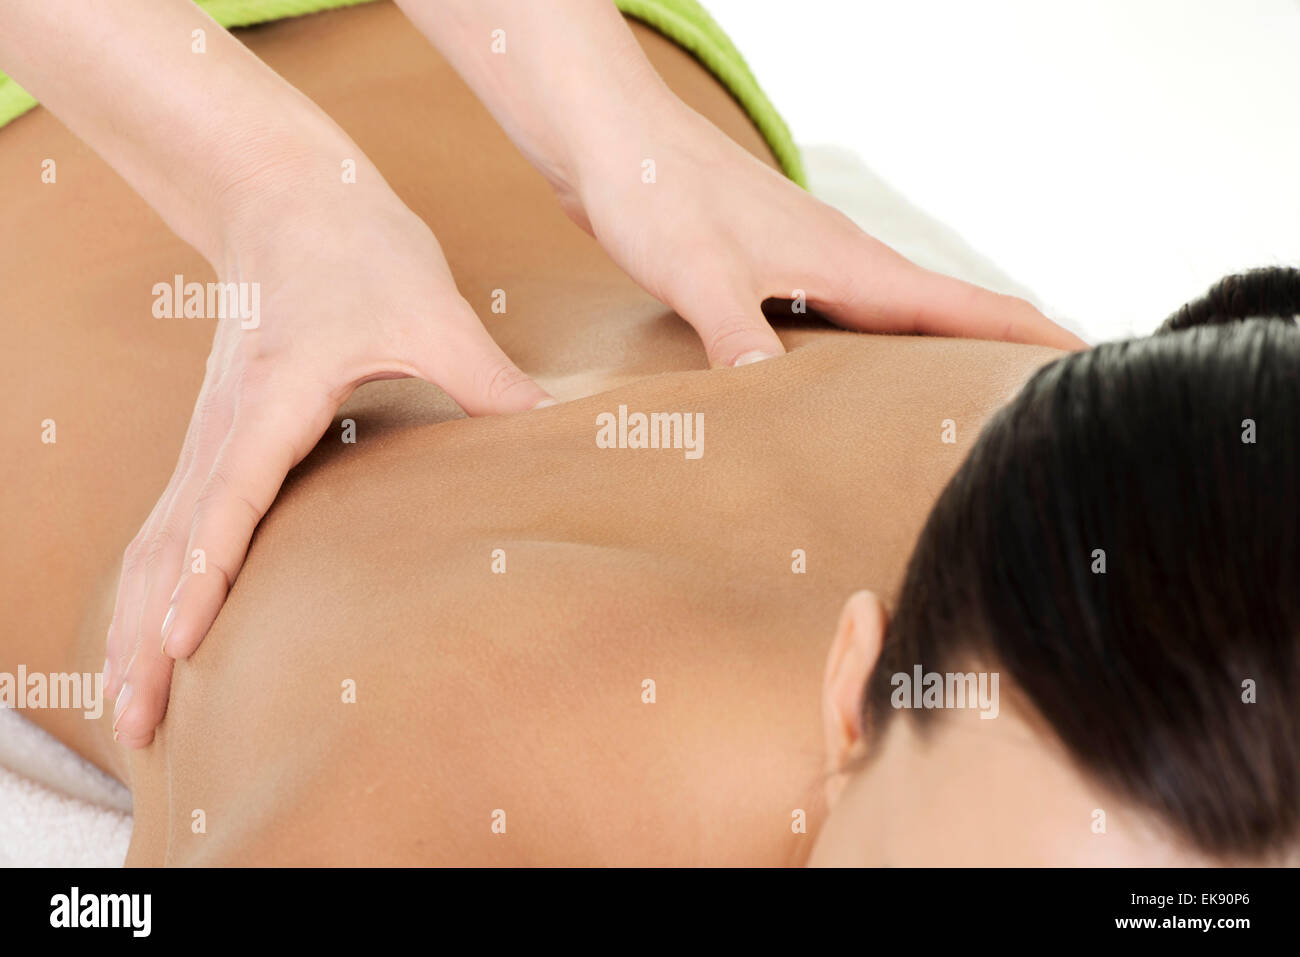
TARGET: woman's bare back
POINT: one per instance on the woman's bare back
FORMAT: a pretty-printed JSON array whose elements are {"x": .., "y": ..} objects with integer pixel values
[{"x": 618, "y": 649}]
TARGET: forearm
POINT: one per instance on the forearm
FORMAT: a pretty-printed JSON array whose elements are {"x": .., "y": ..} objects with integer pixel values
[
  {"x": 565, "y": 79},
  {"x": 215, "y": 141}
]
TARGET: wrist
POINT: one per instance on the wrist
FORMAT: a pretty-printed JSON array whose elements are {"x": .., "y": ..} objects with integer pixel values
[
  {"x": 658, "y": 138},
  {"x": 622, "y": 142},
  {"x": 284, "y": 191}
]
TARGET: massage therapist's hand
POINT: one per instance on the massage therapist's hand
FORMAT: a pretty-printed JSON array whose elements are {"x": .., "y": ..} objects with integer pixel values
[
  {"x": 717, "y": 232},
  {"x": 708, "y": 229},
  {"x": 343, "y": 300},
  {"x": 351, "y": 286}
]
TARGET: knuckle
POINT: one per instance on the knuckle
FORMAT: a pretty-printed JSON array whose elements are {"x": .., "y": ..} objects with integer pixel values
[
  {"x": 727, "y": 335},
  {"x": 158, "y": 545},
  {"x": 213, "y": 490},
  {"x": 214, "y": 487},
  {"x": 851, "y": 288},
  {"x": 133, "y": 556},
  {"x": 499, "y": 380},
  {"x": 220, "y": 488}
]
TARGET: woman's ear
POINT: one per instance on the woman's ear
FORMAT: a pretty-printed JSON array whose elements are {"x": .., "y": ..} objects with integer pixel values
[{"x": 854, "y": 652}]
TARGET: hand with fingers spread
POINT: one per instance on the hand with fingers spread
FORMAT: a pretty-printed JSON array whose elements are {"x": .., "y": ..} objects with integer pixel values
[
  {"x": 716, "y": 233},
  {"x": 333, "y": 315},
  {"x": 695, "y": 219}
]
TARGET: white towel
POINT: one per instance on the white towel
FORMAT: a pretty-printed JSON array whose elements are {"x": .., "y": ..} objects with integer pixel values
[{"x": 56, "y": 808}]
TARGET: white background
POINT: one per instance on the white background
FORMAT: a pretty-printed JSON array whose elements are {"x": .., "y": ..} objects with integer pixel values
[{"x": 1114, "y": 157}]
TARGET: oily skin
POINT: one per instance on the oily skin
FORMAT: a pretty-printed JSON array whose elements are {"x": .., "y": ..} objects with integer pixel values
[{"x": 475, "y": 691}]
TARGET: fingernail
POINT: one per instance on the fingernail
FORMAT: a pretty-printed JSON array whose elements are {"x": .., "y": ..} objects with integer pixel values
[
  {"x": 749, "y": 358},
  {"x": 108, "y": 669},
  {"x": 123, "y": 699},
  {"x": 544, "y": 403},
  {"x": 167, "y": 626}
]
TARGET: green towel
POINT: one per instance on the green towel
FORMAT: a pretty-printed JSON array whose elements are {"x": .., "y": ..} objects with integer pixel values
[{"x": 684, "y": 22}]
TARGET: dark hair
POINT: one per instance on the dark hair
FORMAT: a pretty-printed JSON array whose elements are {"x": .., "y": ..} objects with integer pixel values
[{"x": 1178, "y": 456}]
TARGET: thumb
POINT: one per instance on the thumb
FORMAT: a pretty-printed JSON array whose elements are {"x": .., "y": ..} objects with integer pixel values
[
  {"x": 471, "y": 368},
  {"x": 731, "y": 325}
]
